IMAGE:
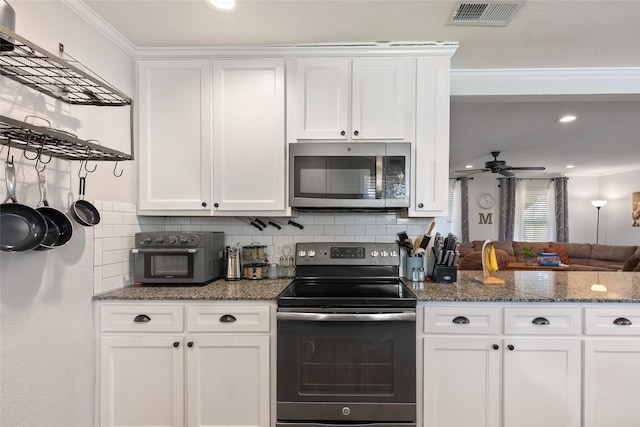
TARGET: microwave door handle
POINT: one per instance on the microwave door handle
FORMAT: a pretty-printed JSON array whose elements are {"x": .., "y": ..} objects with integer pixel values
[
  {"x": 378, "y": 177},
  {"x": 164, "y": 251}
]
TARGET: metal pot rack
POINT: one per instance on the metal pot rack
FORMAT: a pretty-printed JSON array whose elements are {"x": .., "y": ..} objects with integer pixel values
[{"x": 65, "y": 80}]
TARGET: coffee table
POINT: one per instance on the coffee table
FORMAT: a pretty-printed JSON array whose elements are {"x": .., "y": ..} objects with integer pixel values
[{"x": 537, "y": 267}]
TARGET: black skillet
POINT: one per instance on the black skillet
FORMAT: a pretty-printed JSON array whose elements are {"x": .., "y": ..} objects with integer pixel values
[
  {"x": 21, "y": 228},
  {"x": 59, "y": 227},
  {"x": 84, "y": 212}
]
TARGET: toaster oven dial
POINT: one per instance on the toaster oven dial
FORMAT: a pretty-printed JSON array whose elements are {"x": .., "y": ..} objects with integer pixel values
[
  {"x": 384, "y": 253},
  {"x": 302, "y": 253},
  {"x": 159, "y": 240},
  {"x": 183, "y": 240},
  {"x": 147, "y": 240},
  {"x": 374, "y": 253},
  {"x": 172, "y": 240},
  {"x": 311, "y": 253}
]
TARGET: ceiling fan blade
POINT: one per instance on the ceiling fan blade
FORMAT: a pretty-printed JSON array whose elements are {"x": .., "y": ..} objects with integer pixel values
[
  {"x": 472, "y": 170},
  {"x": 526, "y": 168},
  {"x": 506, "y": 173}
]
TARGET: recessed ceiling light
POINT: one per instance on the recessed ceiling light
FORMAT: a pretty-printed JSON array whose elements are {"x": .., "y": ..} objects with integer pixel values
[
  {"x": 566, "y": 119},
  {"x": 570, "y": 166},
  {"x": 223, "y": 4},
  {"x": 468, "y": 166}
]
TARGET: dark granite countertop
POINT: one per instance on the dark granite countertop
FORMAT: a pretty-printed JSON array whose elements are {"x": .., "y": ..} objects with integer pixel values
[
  {"x": 536, "y": 286},
  {"x": 519, "y": 286}
]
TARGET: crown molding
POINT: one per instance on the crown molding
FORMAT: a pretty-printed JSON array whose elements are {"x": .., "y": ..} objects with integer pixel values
[
  {"x": 545, "y": 81},
  {"x": 79, "y": 7}
]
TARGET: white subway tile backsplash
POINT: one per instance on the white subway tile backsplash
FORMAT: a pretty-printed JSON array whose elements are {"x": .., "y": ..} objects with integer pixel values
[{"x": 114, "y": 236}]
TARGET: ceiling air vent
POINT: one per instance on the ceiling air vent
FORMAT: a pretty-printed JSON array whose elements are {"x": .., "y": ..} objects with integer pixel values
[{"x": 496, "y": 14}]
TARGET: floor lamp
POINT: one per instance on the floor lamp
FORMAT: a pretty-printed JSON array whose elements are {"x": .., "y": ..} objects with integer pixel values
[{"x": 598, "y": 204}]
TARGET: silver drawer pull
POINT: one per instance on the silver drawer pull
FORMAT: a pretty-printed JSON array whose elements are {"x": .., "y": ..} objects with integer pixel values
[
  {"x": 622, "y": 321},
  {"x": 460, "y": 320},
  {"x": 142, "y": 318},
  {"x": 540, "y": 321},
  {"x": 228, "y": 318}
]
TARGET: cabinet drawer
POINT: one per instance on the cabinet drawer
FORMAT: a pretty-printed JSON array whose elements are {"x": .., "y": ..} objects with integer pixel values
[
  {"x": 141, "y": 318},
  {"x": 542, "y": 320},
  {"x": 461, "y": 320},
  {"x": 237, "y": 318},
  {"x": 612, "y": 321}
]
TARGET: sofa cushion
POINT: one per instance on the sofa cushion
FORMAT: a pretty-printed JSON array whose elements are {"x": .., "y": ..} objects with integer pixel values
[
  {"x": 579, "y": 253},
  {"x": 473, "y": 261},
  {"x": 560, "y": 250},
  {"x": 614, "y": 253}
]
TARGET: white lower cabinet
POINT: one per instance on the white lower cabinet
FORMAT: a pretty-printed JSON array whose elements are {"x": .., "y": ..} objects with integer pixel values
[
  {"x": 476, "y": 374},
  {"x": 214, "y": 372},
  {"x": 612, "y": 367}
]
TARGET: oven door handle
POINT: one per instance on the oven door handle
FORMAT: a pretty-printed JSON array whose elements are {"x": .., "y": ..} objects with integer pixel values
[
  {"x": 164, "y": 251},
  {"x": 348, "y": 317}
]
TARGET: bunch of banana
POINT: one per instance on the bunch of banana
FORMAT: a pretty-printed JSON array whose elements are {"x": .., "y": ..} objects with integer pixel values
[{"x": 490, "y": 260}]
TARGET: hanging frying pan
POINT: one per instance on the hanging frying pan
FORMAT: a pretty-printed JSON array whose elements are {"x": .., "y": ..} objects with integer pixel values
[
  {"x": 83, "y": 211},
  {"x": 21, "y": 228},
  {"x": 59, "y": 227}
]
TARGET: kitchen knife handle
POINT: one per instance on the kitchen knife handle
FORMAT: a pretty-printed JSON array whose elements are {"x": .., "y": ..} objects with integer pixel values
[
  {"x": 260, "y": 222},
  {"x": 295, "y": 224},
  {"x": 275, "y": 225}
]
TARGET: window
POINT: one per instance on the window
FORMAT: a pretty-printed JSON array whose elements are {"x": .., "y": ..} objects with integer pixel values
[{"x": 534, "y": 211}]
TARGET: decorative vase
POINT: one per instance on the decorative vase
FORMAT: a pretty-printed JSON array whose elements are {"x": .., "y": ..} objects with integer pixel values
[{"x": 528, "y": 260}]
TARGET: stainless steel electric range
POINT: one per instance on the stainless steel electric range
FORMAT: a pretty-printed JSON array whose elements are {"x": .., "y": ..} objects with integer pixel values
[{"x": 346, "y": 339}]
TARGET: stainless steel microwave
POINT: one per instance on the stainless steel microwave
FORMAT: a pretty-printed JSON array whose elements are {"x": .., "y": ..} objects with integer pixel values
[{"x": 349, "y": 175}]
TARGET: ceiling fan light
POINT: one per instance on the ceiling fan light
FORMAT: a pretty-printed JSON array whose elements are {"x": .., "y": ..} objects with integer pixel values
[
  {"x": 566, "y": 119},
  {"x": 223, "y": 4},
  {"x": 570, "y": 166},
  {"x": 468, "y": 166}
]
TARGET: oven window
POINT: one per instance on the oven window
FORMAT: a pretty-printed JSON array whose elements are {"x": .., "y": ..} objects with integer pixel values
[
  {"x": 346, "y": 366},
  {"x": 170, "y": 265}
]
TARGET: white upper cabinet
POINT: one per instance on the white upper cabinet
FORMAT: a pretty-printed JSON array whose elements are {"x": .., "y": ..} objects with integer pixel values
[
  {"x": 175, "y": 135},
  {"x": 249, "y": 149},
  {"x": 355, "y": 99},
  {"x": 430, "y": 162}
]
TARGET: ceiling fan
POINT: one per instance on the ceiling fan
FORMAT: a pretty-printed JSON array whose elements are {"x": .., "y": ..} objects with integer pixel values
[{"x": 501, "y": 167}]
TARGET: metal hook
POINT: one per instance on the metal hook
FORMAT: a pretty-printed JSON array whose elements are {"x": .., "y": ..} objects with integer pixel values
[
  {"x": 81, "y": 168},
  {"x": 44, "y": 165},
  {"x": 9, "y": 151},
  {"x": 86, "y": 162},
  {"x": 27, "y": 146},
  {"x": 114, "y": 169}
]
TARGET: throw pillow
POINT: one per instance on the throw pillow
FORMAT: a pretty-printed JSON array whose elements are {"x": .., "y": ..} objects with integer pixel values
[
  {"x": 560, "y": 250},
  {"x": 473, "y": 261}
]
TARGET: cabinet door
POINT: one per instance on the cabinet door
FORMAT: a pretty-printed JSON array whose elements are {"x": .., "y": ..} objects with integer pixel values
[
  {"x": 431, "y": 160},
  {"x": 541, "y": 382},
  {"x": 228, "y": 381},
  {"x": 175, "y": 136},
  {"x": 322, "y": 98},
  {"x": 461, "y": 382},
  {"x": 141, "y": 381},
  {"x": 611, "y": 383},
  {"x": 249, "y": 147},
  {"x": 380, "y": 95}
]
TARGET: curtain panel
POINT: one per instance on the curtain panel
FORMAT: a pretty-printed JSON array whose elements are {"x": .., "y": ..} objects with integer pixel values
[
  {"x": 507, "y": 208},
  {"x": 562, "y": 208}
]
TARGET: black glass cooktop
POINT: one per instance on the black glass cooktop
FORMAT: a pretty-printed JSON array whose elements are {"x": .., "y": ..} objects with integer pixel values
[{"x": 346, "y": 293}]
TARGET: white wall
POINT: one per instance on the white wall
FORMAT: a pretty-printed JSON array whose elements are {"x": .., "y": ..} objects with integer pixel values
[
  {"x": 615, "y": 217},
  {"x": 47, "y": 337}
]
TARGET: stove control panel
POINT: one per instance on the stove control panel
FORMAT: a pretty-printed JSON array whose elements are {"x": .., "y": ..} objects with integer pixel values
[{"x": 347, "y": 253}]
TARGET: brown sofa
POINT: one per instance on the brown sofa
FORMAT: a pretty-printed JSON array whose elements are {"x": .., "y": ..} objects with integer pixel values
[{"x": 582, "y": 256}]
